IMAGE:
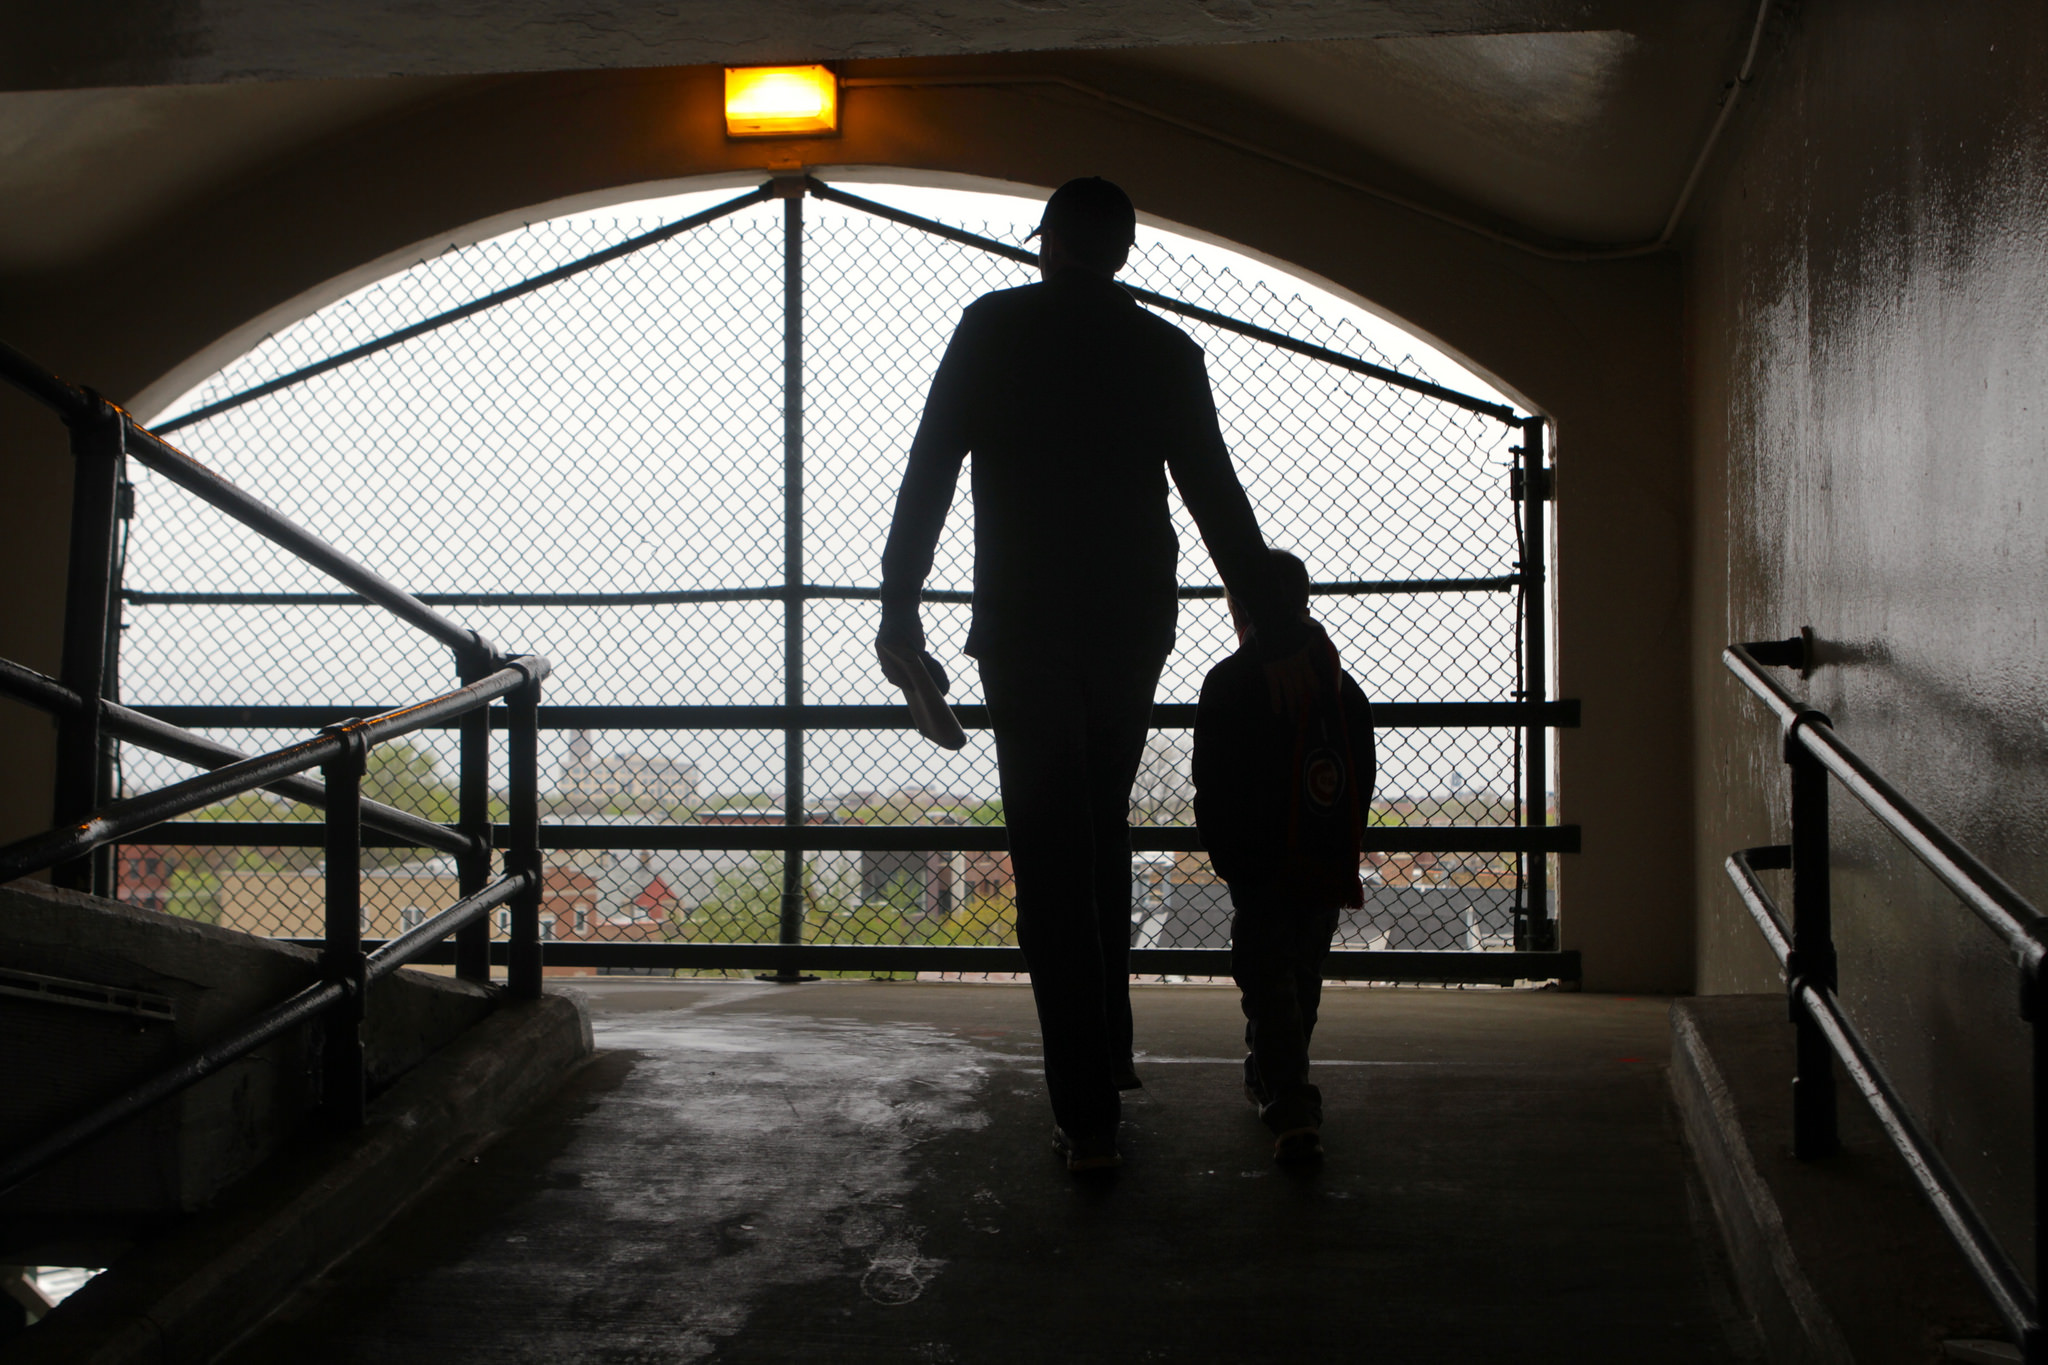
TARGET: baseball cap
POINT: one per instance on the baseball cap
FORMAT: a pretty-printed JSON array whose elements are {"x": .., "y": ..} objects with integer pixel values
[{"x": 1093, "y": 215}]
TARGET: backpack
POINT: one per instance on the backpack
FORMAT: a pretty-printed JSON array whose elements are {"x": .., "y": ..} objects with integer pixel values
[{"x": 1322, "y": 779}]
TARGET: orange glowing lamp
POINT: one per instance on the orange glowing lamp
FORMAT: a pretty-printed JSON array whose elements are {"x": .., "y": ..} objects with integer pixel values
[{"x": 780, "y": 101}]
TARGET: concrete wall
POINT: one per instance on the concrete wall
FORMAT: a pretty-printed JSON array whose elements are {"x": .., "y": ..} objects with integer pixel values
[
  {"x": 1594, "y": 345},
  {"x": 1868, "y": 357}
]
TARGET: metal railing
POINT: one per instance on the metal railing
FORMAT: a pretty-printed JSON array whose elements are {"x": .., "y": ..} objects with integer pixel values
[
  {"x": 103, "y": 436},
  {"x": 1806, "y": 951}
]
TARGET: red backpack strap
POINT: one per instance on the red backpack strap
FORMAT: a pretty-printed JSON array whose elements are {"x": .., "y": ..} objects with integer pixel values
[{"x": 1344, "y": 728}]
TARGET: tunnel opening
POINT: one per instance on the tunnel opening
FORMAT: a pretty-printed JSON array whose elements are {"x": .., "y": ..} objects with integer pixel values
[{"x": 662, "y": 441}]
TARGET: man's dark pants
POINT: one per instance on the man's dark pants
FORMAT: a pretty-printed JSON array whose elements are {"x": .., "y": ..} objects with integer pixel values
[
  {"x": 1070, "y": 731},
  {"x": 1277, "y": 951}
]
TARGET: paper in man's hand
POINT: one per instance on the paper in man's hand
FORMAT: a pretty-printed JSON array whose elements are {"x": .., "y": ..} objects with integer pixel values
[{"x": 928, "y": 710}]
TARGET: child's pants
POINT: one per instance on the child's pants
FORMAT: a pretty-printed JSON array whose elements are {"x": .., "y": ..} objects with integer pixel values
[{"x": 1276, "y": 955}]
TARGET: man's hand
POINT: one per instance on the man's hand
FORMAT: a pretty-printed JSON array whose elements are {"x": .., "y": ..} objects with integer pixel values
[
  {"x": 902, "y": 629},
  {"x": 902, "y": 634}
]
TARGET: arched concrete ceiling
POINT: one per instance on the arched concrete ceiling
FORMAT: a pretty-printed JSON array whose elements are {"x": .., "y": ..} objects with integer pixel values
[{"x": 1563, "y": 121}]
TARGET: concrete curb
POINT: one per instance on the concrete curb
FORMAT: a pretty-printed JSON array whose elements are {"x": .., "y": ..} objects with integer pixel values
[
  {"x": 1794, "y": 1323},
  {"x": 189, "y": 1295},
  {"x": 1841, "y": 1261}
]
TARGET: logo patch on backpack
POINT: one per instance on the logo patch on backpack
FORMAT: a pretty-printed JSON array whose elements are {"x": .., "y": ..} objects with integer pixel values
[{"x": 1323, "y": 781}]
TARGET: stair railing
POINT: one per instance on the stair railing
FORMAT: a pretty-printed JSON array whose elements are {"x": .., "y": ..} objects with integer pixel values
[
  {"x": 1806, "y": 951},
  {"x": 103, "y": 435}
]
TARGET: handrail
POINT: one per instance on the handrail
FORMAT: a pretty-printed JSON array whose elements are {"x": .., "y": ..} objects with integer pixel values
[
  {"x": 1741, "y": 867},
  {"x": 424, "y": 935},
  {"x": 347, "y": 972},
  {"x": 300, "y": 1007},
  {"x": 118, "y": 819},
  {"x": 40, "y": 690},
  {"x": 81, "y": 407},
  {"x": 1951, "y": 1204},
  {"x": 1804, "y": 948},
  {"x": 1990, "y": 896}
]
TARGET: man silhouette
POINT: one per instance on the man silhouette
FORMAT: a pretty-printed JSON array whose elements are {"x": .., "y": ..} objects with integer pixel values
[{"x": 1076, "y": 404}]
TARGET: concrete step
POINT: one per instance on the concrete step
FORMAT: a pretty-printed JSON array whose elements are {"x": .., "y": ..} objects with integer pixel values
[
  {"x": 183, "y": 1295},
  {"x": 1841, "y": 1261}
]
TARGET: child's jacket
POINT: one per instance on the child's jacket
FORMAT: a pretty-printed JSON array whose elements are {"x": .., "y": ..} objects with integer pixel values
[{"x": 1281, "y": 802}]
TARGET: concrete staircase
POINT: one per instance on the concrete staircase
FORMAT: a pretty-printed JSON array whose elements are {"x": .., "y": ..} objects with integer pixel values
[{"x": 220, "y": 1201}]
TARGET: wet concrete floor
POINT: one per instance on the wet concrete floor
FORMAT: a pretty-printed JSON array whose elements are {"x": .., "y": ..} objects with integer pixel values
[{"x": 856, "y": 1171}]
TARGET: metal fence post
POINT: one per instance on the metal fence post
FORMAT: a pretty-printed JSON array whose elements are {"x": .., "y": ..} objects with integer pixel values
[
  {"x": 523, "y": 971},
  {"x": 1812, "y": 961},
  {"x": 791, "y": 935},
  {"x": 473, "y": 781},
  {"x": 1537, "y": 931},
  {"x": 342, "y": 1093},
  {"x": 96, "y": 446}
]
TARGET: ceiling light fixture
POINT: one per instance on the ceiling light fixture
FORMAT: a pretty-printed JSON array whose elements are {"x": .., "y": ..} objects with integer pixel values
[{"x": 780, "y": 101}]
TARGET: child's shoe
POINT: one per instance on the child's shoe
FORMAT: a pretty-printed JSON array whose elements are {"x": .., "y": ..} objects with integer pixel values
[
  {"x": 1094, "y": 1153},
  {"x": 1298, "y": 1146}
]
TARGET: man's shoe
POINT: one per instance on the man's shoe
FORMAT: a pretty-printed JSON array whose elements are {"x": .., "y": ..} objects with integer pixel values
[
  {"x": 1094, "y": 1153},
  {"x": 1298, "y": 1145}
]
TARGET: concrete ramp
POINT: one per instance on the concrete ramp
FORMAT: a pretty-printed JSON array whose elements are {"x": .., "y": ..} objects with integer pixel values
[{"x": 860, "y": 1172}]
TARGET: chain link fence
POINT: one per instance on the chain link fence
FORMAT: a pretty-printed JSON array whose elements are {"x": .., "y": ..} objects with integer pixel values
[{"x": 598, "y": 469}]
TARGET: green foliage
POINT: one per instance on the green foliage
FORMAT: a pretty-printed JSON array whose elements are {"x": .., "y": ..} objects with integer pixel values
[
  {"x": 405, "y": 775},
  {"x": 193, "y": 893},
  {"x": 741, "y": 913},
  {"x": 740, "y": 801},
  {"x": 401, "y": 774},
  {"x": 903, "y": 896},
  {"x": 916, "y": 809},
  {"x": 257, "y": 805},
  {"x": 981, "y": 923},
  {"x": 398, "y": 774}
]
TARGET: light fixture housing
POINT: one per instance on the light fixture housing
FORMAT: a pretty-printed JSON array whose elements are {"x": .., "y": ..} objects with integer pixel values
[{"x": 780, "y": 101}]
